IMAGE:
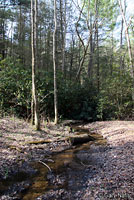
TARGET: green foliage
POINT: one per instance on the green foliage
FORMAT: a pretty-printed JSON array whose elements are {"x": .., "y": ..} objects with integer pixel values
[
  {"x": 15, "y": 84},
  {"x": 115, "y": 101},
  {"x": 75, "y": 100}
]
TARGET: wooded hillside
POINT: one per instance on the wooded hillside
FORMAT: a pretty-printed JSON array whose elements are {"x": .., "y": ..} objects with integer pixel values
[{"x": 83, "y": 59}]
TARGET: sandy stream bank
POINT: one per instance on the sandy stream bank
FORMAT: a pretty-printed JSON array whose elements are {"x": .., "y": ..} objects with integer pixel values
[{"x": 111, "y": 177}]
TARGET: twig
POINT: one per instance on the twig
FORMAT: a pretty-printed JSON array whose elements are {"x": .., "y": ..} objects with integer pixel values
[
  {"x": 85, "y": 165},
  {"x": 46, "y": 96},
  {"x": 45, "y": 165}
]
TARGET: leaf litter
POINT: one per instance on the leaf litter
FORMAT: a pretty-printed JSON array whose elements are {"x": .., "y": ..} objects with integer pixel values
[{"x": 112, "y": 176}]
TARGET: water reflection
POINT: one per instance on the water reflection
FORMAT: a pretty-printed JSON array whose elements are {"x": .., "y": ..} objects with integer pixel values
[{"x": 66, "y": 170}]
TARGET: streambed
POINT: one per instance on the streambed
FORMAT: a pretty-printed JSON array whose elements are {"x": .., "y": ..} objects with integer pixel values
[{"x": 62, "y": 176}]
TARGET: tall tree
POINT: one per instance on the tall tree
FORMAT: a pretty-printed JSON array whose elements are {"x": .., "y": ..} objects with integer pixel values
[
  {"x": 129, "y": 46},
  {"x": 63, "y": 7},
  {"x": 54, "y": 65},
  {"x": 35, "y": 111},
  {"x": 127, "y": 35},
  {"x": 84, "y": 45},
  {"x": 3, "y": 29},
  {"x": 97, "y": 44}
]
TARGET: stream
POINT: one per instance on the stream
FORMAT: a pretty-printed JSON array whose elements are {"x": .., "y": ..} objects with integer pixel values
[{"x": 61, "y": 176}]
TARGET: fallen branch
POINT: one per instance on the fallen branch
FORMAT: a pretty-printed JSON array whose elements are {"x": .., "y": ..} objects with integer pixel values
[
  {"x": 45, "y": 165},
  {"x": 15, "y": 148},
  {"x": 85, "y": 165},
  {"x": 39, "y": 142},
  {"x": 45, "y": 141}
]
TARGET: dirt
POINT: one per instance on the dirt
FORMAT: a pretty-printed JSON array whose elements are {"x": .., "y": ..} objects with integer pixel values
[
  {"x": 18, "y": 144},
  {"x": 111, "y": 175},
  {"x": 115, "y": 180}
]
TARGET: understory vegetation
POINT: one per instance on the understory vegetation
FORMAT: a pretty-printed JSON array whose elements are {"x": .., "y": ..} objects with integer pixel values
[{"x": 75, "y": 100}]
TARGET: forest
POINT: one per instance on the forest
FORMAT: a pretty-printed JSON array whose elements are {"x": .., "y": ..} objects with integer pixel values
[
  {"x": 66, "y": 100},
  {"x": 93, "y": 47}
]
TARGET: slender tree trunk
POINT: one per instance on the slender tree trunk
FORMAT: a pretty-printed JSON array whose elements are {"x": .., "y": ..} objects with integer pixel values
[
  {"x": 33, "y": 62},
  {"x": 98, "y": 63},
  {"x": 129, "y": 47},
  {"x": 127, "y": 37},
  {"x": 54, "y": 65},
  {"x": 3, "y": 45},
  {"x": 121, "y": 43},
  {"x": 34, "y": 103},
  {"x": 62, "y": 32},
  {"x": 71, "y": 57},
  {"x": 121, "y": 39},
  {"x": 112, "y": 55},
  {"x": 85, "y": 47},
  {"x": 82, "y": 63},
  {"x": 90, "y": 63},
  {"x": 2, "y": 31},
  {"x": 64, "y": 39},
  {"x": 36, "y": 35},
  {"x": 20, "y": 33},
  {"x": 97, "y": 45}
]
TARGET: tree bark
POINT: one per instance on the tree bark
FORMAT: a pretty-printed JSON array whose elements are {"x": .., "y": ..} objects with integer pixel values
[
  {"x": 97, "y": 45},
  {"x": 2, "y": 32},
  {"x": 85, "y": 47},
  {"x": 64, "y": 39},
  {"x": 121, "y": 44},
  {"x": 129, "y": 47},
  {"x": 127, "y": 37},
  {"x": 54, "y": 65},
  {"x": 34, "y": 104},
  {"x": 90, "y": 63}
]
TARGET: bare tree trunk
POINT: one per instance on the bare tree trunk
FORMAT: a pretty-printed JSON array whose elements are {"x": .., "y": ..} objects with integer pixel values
[
  {"x": 36, "y": 34},
  {"x": 33, "y": 61},
  {"x": 71, "y": 57},
  {"x": 112, "y": 55},
  {"x": 98, "y": 63},
  {"x": 121, "y": 39},
  {"x": 2, "y": 32},
  {"x": 20, "y": 34},
  {"x": 97, "y": 45},
  {"x": 63, "y": 30},
  {"x": 82, "y": 62},
  {"x": 121, "y": 43},
  {"x": 127, "y": 37},
  {"x": 90, "y": 63},
  {"x": 54, "y": 65},
  {"x": 85, "y": 47},
  {"x": 34, "y": 103},
  {"x": 129, "y": 47},
  {"x": 64, "y": 39}
]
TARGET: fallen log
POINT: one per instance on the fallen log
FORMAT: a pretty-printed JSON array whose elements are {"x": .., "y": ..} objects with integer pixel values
[
  {"x": 45, "y": 141},
  {"x": 80, "y": 139},
  {"x": 74, "y": 140},
  {"x": 39, "y": 142}
]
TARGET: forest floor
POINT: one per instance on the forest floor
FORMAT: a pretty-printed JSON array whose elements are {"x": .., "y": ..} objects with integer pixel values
[{"x": 111, "y": 177}]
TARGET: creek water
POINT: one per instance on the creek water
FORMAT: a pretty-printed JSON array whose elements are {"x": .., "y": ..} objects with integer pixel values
[{"x": 65, "y": 170}]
